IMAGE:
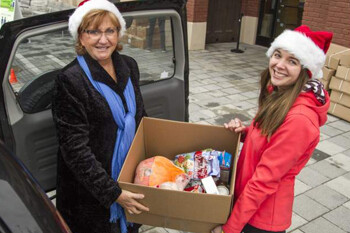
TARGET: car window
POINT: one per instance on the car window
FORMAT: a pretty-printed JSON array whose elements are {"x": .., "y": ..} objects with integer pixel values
[
  {"x": 40, "y": 54},
  {"x": 147, "y": 39},
  {"x": 38, "y": 7}
]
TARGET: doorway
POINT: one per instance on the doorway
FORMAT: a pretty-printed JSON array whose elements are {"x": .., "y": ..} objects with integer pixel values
[
  {"x": 222, "y": 23},
  {"x": 277, "y": 15}
]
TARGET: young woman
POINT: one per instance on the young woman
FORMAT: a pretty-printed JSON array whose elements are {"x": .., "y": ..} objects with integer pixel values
[
  {"x": 284, "y": 133},
  {"x": 97, "y": 107}
]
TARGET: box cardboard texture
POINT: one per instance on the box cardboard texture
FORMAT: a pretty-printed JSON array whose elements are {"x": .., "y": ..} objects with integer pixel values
[
  {"x": 345, "y": 59},
  {"x": 343, "y": 72},
  {"x": 325, "y": 83},
  {"x": 342, "y": 57},
  {"x": 334, "y": 49},
  {"x": 327, "y": 73},
  {"x": 340, "y": 85},
  {"x": 186, "y": 211},
  {"x": 340, "y": 98},
  {"x": 339, "y": 111}
]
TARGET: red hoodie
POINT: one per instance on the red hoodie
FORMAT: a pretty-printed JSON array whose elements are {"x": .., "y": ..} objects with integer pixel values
[{"x": 264, "y": 189}]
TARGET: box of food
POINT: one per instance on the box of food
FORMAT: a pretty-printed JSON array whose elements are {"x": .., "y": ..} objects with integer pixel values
[{"x": 181, "y": 210}]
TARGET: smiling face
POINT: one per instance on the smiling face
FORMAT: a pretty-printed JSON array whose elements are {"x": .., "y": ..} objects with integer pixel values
[
  {"x": 100, "y": 48},
  {"x": 284, "y": 68}
]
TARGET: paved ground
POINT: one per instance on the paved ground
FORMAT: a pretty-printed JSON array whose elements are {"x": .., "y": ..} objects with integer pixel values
[{"x": 224, "y": 85}]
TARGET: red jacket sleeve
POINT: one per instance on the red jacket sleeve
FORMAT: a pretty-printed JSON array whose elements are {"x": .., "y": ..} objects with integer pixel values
[{"x": 287, "y": 145}]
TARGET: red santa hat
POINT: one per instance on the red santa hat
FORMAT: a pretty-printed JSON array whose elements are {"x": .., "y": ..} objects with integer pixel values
[
  {"x": 308, "y": 47},
  {"x": 88, "y": 5}
]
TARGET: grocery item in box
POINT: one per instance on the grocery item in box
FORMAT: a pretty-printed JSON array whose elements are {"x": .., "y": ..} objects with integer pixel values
[
  {"x": 225, "y": 160},
  {"x": 200, "y": 164},
  {"x": 179, "y": 184},
  {"x": 158, "y": 170}
]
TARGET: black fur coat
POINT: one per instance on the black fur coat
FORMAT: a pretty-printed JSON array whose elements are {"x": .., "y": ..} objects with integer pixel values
[{"x": 87, "y": 133}]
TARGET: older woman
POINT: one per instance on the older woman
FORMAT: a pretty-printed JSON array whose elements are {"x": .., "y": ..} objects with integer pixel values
[
  {"x": 97, "y": 107},
  {"x": 283, "y": 135}
]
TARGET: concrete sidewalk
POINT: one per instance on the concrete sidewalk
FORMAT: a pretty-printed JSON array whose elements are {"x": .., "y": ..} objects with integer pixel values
[{"x": 224, "y": 85}]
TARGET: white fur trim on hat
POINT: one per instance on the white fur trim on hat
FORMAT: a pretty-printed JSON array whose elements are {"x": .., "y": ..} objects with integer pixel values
[
  {"x": 79, "y": 13},
  {"x": 303, "y": 48}
]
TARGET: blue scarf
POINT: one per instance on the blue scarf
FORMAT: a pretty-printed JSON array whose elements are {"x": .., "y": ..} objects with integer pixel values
[{"x": 125, "y": 134}]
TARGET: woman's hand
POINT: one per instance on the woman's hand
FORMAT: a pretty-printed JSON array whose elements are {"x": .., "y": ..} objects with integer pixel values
[
  {"x": 217, "y": 229},
  {"x": 235, "y": 125},
  {"x": 128, "y": 201}
]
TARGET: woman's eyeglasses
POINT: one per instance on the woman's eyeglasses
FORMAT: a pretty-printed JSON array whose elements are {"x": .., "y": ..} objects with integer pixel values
[{"x": 96, "y": 34}]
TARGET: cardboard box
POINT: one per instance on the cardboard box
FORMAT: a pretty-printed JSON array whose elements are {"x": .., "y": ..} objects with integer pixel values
[
  {"x": 340, "y": 98},
  {"x": 339, "y": 85},
  {"x": 335, "y": 55},
  {"x": 343, "y": 72},
  {"x": 131, "y": 31},
  {"x": 327, "y": 73},
  {"x": 325, "y": 83},
  {"x": 142, "y": 32},
  {"x": 345, "y": 60},
  {"x": 186, "y": 211},
  {"x": 339, "y": 111},
  {"x": 334, "y": 48}
]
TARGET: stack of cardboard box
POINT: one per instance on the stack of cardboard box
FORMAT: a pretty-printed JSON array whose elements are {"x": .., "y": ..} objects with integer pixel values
[
  {"x": 136, "y": 34},
  {"x": 337, "y": 78}
]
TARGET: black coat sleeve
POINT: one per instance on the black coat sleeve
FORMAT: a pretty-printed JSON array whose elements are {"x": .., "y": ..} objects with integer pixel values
[{"x": 72, "y": 124}]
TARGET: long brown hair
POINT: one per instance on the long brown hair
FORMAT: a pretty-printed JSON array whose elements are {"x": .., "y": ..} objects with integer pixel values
[
  {"x": 95, "y": 18},
  {"x": 274, "y": 106}
]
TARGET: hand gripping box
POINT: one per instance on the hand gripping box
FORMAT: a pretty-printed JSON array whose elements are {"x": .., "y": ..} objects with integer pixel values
[{"x": 186, "y": 211}]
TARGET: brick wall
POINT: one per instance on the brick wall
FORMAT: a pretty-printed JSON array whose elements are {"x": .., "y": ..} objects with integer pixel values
[
  {"x": 197, "y": 10},
  {"x": 329, "y": 16},
  {"x": 250, "y": 7}
]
